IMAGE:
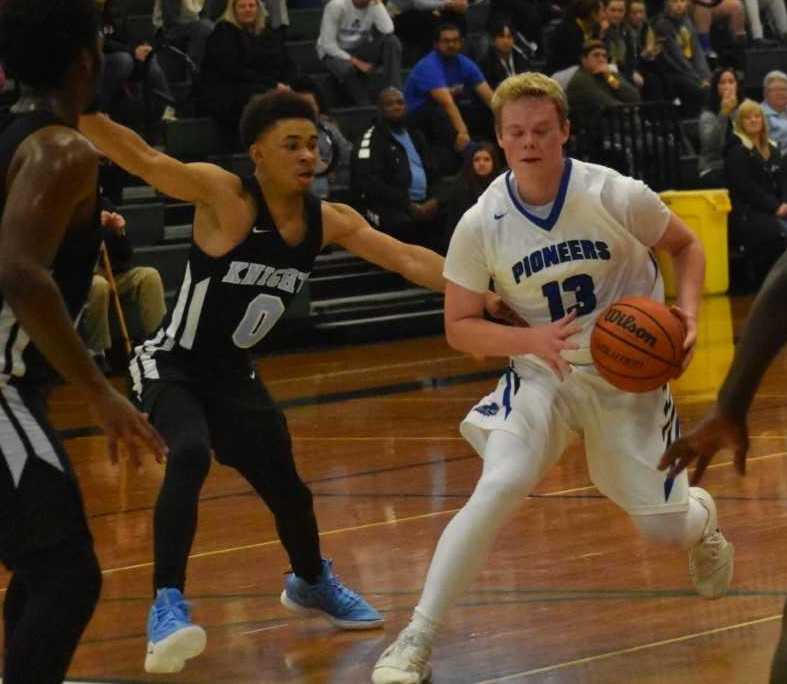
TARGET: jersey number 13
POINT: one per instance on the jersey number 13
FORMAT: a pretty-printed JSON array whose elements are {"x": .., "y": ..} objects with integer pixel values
[{"x": 584, "y": 294}]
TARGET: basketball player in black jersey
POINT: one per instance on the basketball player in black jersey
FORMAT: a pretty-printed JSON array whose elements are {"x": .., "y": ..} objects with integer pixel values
[
  {"x": 254, "y": 243},
  {"x": 724, "y": 425},
  {"x": 49, "y": 239}
]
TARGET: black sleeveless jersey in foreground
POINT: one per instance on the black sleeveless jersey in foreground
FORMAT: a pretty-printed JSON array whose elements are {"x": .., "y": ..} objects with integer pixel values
[
  {"x": 226, "y": 305},
  {"x": 72, "y": 269}
]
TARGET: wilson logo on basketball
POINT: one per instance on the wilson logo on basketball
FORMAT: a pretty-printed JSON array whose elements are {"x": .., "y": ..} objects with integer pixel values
[{"x": 629, "y": 324}]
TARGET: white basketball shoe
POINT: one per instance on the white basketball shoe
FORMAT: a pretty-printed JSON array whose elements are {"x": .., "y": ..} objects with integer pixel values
[
  {"x": 405, "y": 661},
  {"x": 711, "y": 559}
]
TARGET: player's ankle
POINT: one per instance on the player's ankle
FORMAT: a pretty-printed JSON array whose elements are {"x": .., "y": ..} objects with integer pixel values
[{"x": 423, "y": 625}]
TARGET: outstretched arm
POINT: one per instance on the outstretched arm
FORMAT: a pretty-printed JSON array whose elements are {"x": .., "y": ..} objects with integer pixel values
[
  {"x": 346, "y": 227},
  {"x": 197, "y": 183}
]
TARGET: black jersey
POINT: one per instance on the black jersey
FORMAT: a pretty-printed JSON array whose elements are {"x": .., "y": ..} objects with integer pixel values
[
  {"x": 72, "y": 268},
  {"x": 226, "y": 305}
]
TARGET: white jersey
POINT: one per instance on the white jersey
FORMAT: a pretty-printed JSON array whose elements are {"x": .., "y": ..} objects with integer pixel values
[{"x": 593, "y": 248}]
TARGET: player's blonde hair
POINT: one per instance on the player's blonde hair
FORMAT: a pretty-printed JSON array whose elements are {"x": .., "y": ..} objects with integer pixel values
[{"x": 529, "y": 84}]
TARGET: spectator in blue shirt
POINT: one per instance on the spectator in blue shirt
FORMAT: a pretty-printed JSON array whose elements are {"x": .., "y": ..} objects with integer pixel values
[
  {"x": 774, "y": 107},
  {"x": 393, "y": 178},
  {"x": 448, "y": 98}
]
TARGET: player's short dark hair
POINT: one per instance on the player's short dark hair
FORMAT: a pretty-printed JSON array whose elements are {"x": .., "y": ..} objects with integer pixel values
[
  {"x": 40, "y": 39},
  {"x": 263, "y": 111}
]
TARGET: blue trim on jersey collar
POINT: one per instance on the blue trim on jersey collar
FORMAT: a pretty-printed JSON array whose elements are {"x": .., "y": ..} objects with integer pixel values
[{"x": 548, "y": 222}]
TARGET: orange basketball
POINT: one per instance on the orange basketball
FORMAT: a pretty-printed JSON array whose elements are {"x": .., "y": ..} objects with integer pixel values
[{"x": 637, "y": 344}]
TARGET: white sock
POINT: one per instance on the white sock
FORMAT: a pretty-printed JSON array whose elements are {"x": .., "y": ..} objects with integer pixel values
[{"x": 509, "y": 475}]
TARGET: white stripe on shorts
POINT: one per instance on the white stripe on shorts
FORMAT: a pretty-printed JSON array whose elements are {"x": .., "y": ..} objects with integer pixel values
[{"x": 13, "y": 447}]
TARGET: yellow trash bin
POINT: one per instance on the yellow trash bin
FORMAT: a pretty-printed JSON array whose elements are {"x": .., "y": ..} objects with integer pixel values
[{"x": 705, "y": 212}]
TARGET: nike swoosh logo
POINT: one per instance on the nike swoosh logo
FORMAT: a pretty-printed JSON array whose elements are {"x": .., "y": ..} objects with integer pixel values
[
  {"x": 261, "y": 230},
  {"x": 499, "y": 216}
]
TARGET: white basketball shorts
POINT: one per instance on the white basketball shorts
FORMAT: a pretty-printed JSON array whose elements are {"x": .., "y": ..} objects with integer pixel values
[{"x": 625, "y": 434}]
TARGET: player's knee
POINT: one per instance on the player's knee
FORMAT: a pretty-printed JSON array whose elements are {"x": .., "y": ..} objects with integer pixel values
[
  {"x": 509, "y": 486},
  {"x": 190, "y": 458}
]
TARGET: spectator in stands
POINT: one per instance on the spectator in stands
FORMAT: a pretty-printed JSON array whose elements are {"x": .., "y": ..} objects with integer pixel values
[
  {"x": 481, "y": 166},
  {"x": 619, "y": 42},
  {"x": 646, "y": 51},
  {"x": 682, "y": 59},
  {"x": 755, "y": 175},
  {"x": 393, "y": 175},
  {"x": 774, "y": 90},
  {"x": 242, "y": 58},
  {"x": 581, "y": 24},
  {"x": 706, "y": 12},
  {"x": 417, "y": 20},
  {"x": 356, "y": 36},
  {"x": 125, "y": 62},
  {"x": 715, "y": 126},
  {"x": 594, "y": 86},
  {"x": 503, "y": 58},
  {"x": 184, "y": 25},
  {"x": 448, "y": 99},
  {"x": 139, "y": 288},
  {"x": 334, "y": 148},
  {"x": 525, "y": 16}
]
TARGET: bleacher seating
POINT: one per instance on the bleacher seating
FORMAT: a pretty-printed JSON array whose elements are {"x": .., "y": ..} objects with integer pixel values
[
  {"x": 304, "y": 54},
  {"x": 305, "y": 24},
  {"x": 144, "y": 222},
  {"x": 758, "y": 63},
  {"x": 348, "y": 298},
  {"x": 354, "y": 121}
]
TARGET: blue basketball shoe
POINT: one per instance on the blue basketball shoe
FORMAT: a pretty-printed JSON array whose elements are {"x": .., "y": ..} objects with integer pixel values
[
  {"x": 172, "y": 639},
  {"x": 331, "y": 599}
]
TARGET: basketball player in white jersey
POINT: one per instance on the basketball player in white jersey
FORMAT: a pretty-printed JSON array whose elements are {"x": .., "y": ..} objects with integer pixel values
[{"x": 562, "y": 240}]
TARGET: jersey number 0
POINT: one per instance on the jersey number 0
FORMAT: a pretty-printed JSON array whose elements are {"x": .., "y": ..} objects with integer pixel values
[{"x": 261, "y": 315}]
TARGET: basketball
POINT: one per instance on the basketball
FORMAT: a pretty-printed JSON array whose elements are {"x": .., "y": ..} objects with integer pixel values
[{"x": 637, "y": 344}]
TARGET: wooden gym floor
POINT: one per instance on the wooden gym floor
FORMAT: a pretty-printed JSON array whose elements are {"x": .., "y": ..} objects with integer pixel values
[{"x": 569, "y": 595}]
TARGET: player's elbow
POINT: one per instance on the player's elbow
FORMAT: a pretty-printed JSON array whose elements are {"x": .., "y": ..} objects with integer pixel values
[{"x": 453, "y": 334}]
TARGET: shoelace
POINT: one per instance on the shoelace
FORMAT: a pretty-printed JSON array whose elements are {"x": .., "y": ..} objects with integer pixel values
[
  {"x": 711, "y": 547},
  {"x": 333, "y": 589},
  {"x": 171, "y": 614},
  {"x": 412, "y": 647}
]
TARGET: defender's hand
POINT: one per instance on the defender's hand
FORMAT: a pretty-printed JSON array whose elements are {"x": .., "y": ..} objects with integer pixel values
[
  {"x": 715, "y": 432},
  {"x": 123, "y": 424}
]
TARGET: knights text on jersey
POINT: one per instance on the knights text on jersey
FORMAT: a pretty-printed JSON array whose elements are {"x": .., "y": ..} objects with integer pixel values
[
  {"x": 227, "y": 305},
  {"x": 592, "y": 249}
]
